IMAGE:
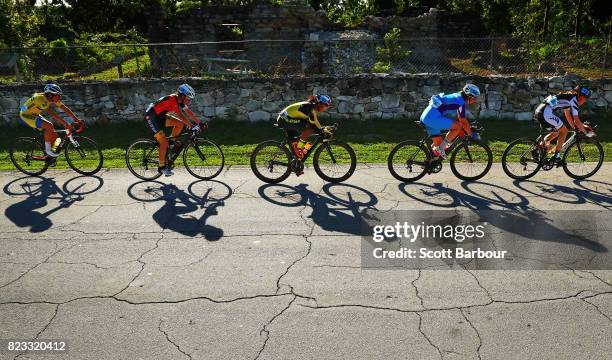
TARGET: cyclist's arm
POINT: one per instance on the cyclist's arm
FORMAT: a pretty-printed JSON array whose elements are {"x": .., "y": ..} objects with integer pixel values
[
  {"x": 180, "y": 117},
  {"x": 463, "y": 121},
  {"x": 570, "y": 118},
  {"x": 313, "y": 119},
  {"x": 58, "y": 118},
  {"x": 67, "y": 110},
  {"x": 192, "y": 116}
]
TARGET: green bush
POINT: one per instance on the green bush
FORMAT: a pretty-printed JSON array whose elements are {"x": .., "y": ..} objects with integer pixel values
[{"x": 390, "y": 53}]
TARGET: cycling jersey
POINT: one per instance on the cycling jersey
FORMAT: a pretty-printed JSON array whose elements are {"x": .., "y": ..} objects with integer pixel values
[
  {"x": 438, "y": 119},
  {"x": 566, "y": 101},
  {"x": 157, "y": 111},
  {"x": 31, "y": 109},
  {"x": 298, "y": 112}
]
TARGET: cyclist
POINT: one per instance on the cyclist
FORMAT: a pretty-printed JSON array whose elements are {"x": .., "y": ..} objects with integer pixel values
[
  {"x": 436, "y": 117},
  {"x": 299, "y": 121},
  {"x": 30, "y": 114},
  {"x": 157, "y": 118},
  {"x": 569, "y": 102}
]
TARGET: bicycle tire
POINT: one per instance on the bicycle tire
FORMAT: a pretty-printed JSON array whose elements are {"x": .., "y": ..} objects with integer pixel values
[
  {"x": 396, "y": 149},
  {"x": 36, "y": 146},
  {"x": 94, "y": 148},
  {"x": 456, "y": 151},
  {"x": 532, "y": 146},
  {"x": 316, "y": 162},
  {"x": 217, "y": 168},
  {"x": 599, "y": 162},
  {"x": 148, "y": 145},
  {"x": 282, "y": 151}
]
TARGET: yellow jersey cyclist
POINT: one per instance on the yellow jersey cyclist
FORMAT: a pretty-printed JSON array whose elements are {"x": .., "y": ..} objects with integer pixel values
[
  {"x": 30, "y": 114},
  {"x": 300, "y": 120},
  {"x": 157, "y": 118},
  {"x": 569, "y": 103}
]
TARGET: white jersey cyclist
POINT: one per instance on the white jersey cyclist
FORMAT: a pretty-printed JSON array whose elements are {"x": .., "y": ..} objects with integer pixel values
[{"x": 564, "y": 101}]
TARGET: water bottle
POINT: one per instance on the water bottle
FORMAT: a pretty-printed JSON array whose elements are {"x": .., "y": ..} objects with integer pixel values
[{"x": 56, "y": 144}]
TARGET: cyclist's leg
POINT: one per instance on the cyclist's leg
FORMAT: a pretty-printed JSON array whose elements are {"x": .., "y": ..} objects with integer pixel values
[
  {"x": 306, "y": 132},
  {"x": 153, "y": 123},
  {"x": 555, "y": 122},
  {"x": 176, "y": 125},
  {"x": 435, "y": 123},
  {"x": 49, "y": 134}
]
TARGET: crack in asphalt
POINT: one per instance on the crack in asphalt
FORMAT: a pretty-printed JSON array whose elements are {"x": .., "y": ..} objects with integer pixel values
[
  {"x": 159, "y": 327},
  {"x": 43, "y": 329},
  {"x": 427, "y": 337},
  {"x": 55, "y": 249},
  {"x": 596, "y": 307},
  {"x": 308, "y": 249},
  {"x": 416, "y": 289},
  {"x": 476, "y": 331},
  {"x": 265, "y": 330},
  {"x": 142, "y": 265},
  {"x": 480, "y": 285}
]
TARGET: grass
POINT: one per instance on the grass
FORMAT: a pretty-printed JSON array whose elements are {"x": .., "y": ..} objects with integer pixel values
[{"x": 371, "y": 140}]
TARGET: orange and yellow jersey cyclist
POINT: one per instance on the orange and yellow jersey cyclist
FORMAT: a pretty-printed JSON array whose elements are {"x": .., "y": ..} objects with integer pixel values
[
  {"x": 31, "y": 109},
  {"x": 302, "y": 116}
]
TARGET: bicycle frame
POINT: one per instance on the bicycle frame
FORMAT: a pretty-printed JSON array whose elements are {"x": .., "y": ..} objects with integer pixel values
[
  {"x": 319, "y": 139},
  {"x": 460, "y": 139}
]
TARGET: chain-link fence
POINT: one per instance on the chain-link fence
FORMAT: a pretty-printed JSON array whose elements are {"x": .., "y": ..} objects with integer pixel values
[{"x": 588, "y": 58}]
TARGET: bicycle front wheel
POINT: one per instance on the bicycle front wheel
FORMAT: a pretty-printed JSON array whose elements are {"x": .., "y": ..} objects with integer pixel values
[
  {"x": 583, "y": 158},
  {"x": 270, "y": 162},
  {"x": 28, "y": 156},
  {"x": 522, "y": 159},
  {"x": 203, "y": 159},
  {"x": 142, "y": 159},
  {"x": 83, "y": 156},
  {"x": 334, "y": 161},
  {"x": 471, "y": 161},
  {"x": 408, "y": 161}
]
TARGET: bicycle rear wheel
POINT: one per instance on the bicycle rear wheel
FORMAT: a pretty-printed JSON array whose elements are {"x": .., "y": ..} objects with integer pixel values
[
  {"x": 471, "y": 161},
  {"x": 522, "y": 159},
  {"x": 270, "y": 162},
  {"x": 334, "y": 161},
  {"x": 408, "y": 161},
  {"x": 203, "y": 159},
  {"x": 583, "y": 158},
  {"x": 28, "y": 156},
  {"x": 85, "y": 157},
  {"x": 142, "y": 159}
]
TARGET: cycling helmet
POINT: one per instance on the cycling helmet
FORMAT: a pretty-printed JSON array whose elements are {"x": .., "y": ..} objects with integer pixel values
[
  {"x": 53, "y": 89},
  {"x": 583, "y": 90},
  {"x": 471, "y": 90},
  {"x": 324, "y": 99},
  {"x": 186, "y": 90}
]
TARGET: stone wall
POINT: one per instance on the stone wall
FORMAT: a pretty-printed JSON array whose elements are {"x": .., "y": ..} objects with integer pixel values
[{"x": 256, "y": 99}]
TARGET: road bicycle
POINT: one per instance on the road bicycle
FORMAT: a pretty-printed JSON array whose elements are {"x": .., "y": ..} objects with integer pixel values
[
  {"x": 202, "y": 158},
  {"x": 469, "y": 160},
  {"x": 581, "y": 156},
  {"x": 82, "y": 153},
  {"x": 273, "y": 161}
]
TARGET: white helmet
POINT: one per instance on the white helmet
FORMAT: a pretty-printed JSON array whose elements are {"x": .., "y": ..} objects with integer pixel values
[
  {"x": 471, "y": 90},
  {"x": 186, "y": 90},
  {"x": 52, "y": 89}
]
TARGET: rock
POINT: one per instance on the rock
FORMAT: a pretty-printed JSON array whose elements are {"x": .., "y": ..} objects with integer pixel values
[
  {"x": 524, "y": 116},
  {"x": 344, "y": 107},
  {"x": 546, "y": 67},
  {"x": 485, "y": 114},
  {"x": 372, "y": 106},
  {"x": 231, "y": 98},
  {"x": 376, "y": 99},
  {"x": 601, "y": 102},
  {"x": 608, "y": 96},
  {"x": 220, "y": 111},
  {"x": 345, "y": 98},
  {"x": 109, "y": 105},
  {"x": 252, "y": 105},
  {"x": 245, "y": 93},
  {"x": 390, "y": 101},
  {"x": 271, "y": 106},
  {"x": 259, "y": 116},
  {"x": 209, "y": 111},
  {"x": 208, "y": 99},
  {"x": 358, "y": 109}
]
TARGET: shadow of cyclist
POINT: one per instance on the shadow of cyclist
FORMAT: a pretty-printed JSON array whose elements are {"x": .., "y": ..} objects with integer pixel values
[
  {"x": 518, "y": 217},
  {"x": 39, "y": 192},
  {"x": 178, "y": 211},
  {"x": 336, "y": 211}
]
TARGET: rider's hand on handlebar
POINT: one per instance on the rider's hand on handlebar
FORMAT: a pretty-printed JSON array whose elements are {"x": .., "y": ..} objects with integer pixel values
[
  {"x": 196, "y": 129},
  {"x": 475, "y": 135}
]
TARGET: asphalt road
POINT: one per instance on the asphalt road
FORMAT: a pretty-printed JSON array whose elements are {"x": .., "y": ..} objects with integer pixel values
[{"x": 234, "y": 268}]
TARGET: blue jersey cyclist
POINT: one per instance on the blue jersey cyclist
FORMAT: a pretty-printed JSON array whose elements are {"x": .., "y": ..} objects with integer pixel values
[{"x": 436, "y": 117}]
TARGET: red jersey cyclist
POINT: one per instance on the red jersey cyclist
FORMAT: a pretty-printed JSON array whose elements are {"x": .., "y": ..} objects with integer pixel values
[
  {"x": 30, "y": 114},
  {"x": 157, "y": 118}
]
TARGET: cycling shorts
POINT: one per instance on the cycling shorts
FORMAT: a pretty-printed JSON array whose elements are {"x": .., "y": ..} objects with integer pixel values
[
  {"x": 33, "y": 122},
  {"x": 545, "y": 116},
  {"x": 435, "y": 122}
]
